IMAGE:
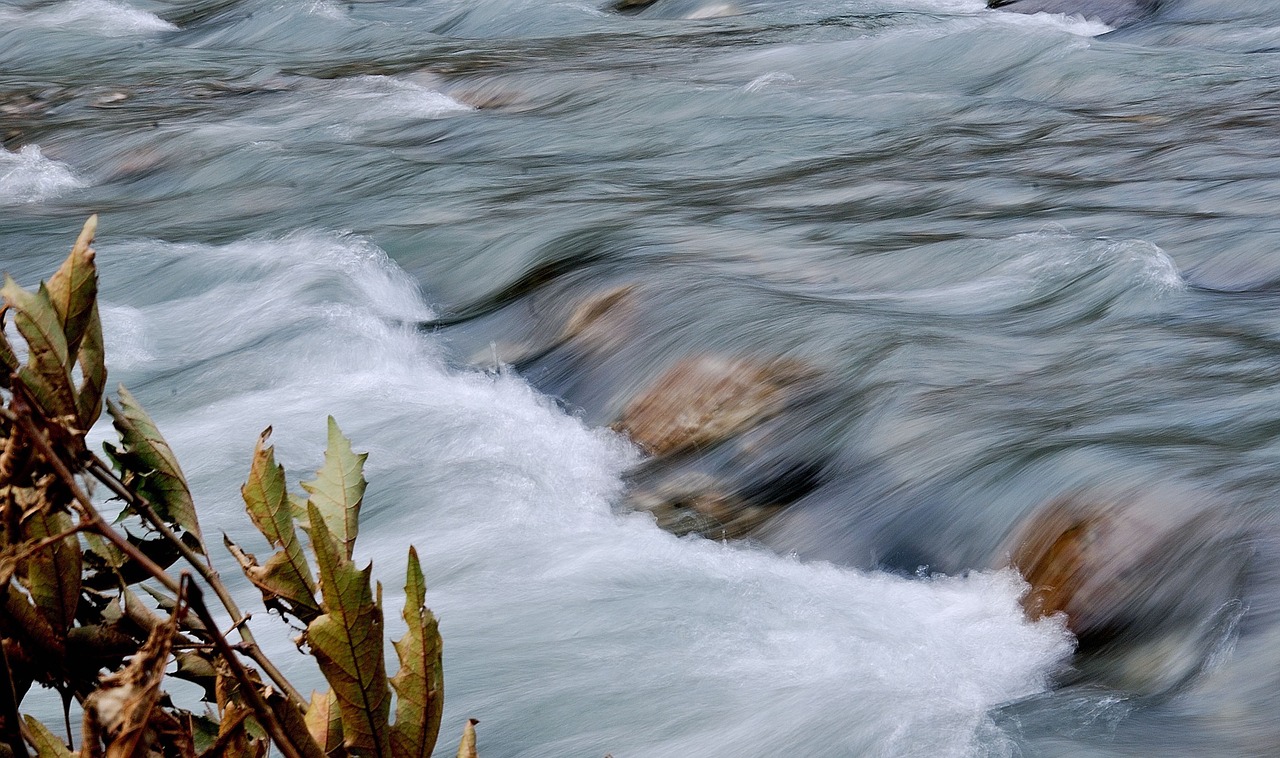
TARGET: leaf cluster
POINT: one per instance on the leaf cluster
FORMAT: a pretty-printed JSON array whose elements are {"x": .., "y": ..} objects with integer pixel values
[{"x": 106, "y": 612}]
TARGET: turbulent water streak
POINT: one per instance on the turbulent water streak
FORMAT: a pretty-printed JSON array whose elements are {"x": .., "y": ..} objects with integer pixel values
[
  {"x": 471, "y": 467},
  {"x": 1025, "y": 262}
]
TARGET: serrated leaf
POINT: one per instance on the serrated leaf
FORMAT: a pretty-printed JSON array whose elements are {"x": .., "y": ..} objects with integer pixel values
[
  {"x": 73, "y": 290},
  {"x": 419, "y": 684},
  {"x": 338, "y": 489},
  {"x": 347, "y": 643},
  {"x": 93, "y": 370},
  {"x": 280, "y": 586},
  {"x": 163, "y": 483},
  {"x": 46, "y": 744},
  {"x": 324, "y": 723},
  {"x": 53, "y": 573},
  {"x": 267, "y": 500},
  {"x": 48, "y": 371}
]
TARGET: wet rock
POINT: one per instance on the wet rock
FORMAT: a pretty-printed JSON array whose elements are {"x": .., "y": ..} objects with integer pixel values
[
  {"x": 599, "y": 323},
  {"x": 631, "y": 6},
  {"x": 1149, "y": 585},
  {"x": 699, "y": 504},
  {"x": 1110, "y": 12},
  {"x": 109, "y": 100},
  {"x": 704, "y": 400}
]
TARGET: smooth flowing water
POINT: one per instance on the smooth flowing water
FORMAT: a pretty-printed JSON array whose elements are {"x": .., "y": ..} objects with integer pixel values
[{"x": 1027, "y": 256}]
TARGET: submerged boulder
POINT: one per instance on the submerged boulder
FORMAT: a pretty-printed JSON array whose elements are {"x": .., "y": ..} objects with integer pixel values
[
  {"x": 727, "y": 410},
  {"x": 695, "y": 503},
  {"x": 1148, "y": 584},
  {"x": 1110, "y": 12},
  {"x": 601, "y": 322},
  {"x": 704, "y": 400}
]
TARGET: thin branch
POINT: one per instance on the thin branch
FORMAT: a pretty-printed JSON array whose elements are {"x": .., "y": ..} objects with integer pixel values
[
  {"x": 47, "y": 541},
  {"x": 266, "y": 716}
]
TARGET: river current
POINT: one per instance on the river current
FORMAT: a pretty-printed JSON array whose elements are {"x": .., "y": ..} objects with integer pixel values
[{"x": 1029, "y": 256}]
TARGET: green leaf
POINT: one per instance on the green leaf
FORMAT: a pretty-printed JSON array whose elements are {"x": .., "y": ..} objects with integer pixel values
[
  {"x": 146, "y": 450},
  {"x": 73, "y": 290},
  {"x": 93, "y": 369},
  {"x": 44, "y": 741},
  {"x": 53, "y": 574},
  {"x": 347, "y": 643},
  {"x": 419, "y": 684},
  {"x": 338, "y": 488},
  {"x": 48, "y": 372},
  {"x": 267, "y": 501}
]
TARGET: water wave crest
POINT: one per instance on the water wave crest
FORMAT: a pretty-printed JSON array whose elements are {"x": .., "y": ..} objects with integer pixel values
[
  {"x": 27, "y": 176},
  {"x": 105, "y": 17}
]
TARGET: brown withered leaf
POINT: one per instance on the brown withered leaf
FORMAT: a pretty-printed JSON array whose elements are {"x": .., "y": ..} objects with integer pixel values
[
  {"x": 419, "y": 684},
  {"x": 347, "y": 642},
  {"x": 324, "y": 723},
  {"x": 236, "y": 715},
  {"x": 234, "y": 740},
  {"x": 278, "y": 582},
  {"x": 34, "y": 627},
  {"x": 467, "y": 747},
  {"x": 118, "y": 713},
  {"x": 293, "y": 723}
]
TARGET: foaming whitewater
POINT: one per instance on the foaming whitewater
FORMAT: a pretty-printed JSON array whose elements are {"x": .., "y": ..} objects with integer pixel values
[
  {"x": 27, "y": 176},
  {"x": 567, "y": 626},
  {"x": 102, "y": 17}
]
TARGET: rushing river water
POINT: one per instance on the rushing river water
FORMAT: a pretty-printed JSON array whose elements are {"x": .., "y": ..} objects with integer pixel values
[{"x": 1024, "y": 256}]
